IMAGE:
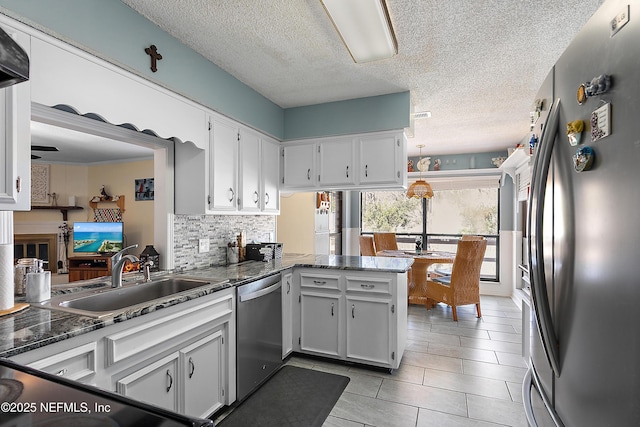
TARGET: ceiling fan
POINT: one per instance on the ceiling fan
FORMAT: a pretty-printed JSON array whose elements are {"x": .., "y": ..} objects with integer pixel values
[{"x": 41, "y": 148}]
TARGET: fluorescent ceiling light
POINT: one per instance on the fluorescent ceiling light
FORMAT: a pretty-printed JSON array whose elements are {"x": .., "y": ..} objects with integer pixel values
[{"x": 365, "y": 28}]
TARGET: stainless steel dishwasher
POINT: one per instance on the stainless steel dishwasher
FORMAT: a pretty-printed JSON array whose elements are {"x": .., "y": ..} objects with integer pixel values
[{"x": 259, "y": 333}]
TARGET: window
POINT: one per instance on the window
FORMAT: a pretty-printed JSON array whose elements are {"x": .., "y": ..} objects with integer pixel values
[{"x": 439, "y": 221}]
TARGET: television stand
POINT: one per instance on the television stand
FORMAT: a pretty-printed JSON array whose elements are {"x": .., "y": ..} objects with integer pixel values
[{"x": 89, "y": 267}]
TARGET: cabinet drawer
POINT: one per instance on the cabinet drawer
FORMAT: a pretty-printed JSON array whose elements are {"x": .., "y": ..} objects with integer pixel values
[
  {"x": 369, "y": 284},
  {"x": 74, "y": 364},
  {"x": 319, "y": 281}
]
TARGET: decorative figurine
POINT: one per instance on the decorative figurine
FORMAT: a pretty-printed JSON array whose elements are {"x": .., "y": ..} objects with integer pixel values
[
  {"x": 597, "y": 85},
  {"x": 103, "y": 194},
  {"x": 583, "y": 159},
  {"x": 436, "y": 164},
  {"x": 574, "y": 131},
  {"x": 410, "y": 166}
]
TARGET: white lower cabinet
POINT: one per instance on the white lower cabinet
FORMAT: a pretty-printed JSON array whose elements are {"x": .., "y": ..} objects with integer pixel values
[
  {"x": 359, "y": 316},
  {"x": 202, "y": 365},
  {"x": 189, "y": 381},
  {"x": 320, "y": 323},
  {"x": 369, "y": 329},
  {"x": 180, "y": 358},
  {"x": 156, "y": 384}
]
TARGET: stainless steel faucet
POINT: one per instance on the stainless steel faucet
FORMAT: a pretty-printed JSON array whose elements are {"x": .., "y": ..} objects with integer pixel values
[
  {"x": 117, "y": 261},
  {"x": 146, "y": 270}
]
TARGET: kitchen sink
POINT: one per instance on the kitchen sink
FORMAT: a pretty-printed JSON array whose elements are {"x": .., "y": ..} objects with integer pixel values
[{"x": 113, "y": 301}]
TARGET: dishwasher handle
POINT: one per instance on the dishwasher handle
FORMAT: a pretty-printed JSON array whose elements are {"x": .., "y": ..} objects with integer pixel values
[{"x": 261, "y": 292}]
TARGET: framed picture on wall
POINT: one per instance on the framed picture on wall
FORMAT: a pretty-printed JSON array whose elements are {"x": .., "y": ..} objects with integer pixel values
[{"x": 144, "y": 189}]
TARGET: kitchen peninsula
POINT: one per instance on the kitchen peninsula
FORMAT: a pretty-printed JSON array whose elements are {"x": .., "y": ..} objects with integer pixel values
[{"x": 119, "y": 352}]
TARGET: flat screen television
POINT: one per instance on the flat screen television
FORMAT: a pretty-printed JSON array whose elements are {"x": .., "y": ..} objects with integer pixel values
[{"x": 98, "y": 237}]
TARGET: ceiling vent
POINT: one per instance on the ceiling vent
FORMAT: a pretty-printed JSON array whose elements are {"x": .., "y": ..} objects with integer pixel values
[{"x": 422, "y": 115}]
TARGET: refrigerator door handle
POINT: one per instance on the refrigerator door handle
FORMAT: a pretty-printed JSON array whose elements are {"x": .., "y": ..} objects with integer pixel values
[
  {"x": 527, "y": 383},
  {"x": 530, "y": 380},
  {"x": 542, "y": 309}
]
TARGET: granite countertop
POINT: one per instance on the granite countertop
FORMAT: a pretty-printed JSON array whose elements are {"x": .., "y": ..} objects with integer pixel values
[{"x": 36, "y": 327}]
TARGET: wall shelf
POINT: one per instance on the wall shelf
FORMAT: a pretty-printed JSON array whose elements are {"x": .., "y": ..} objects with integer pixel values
[
  {"x": 517, "y": 159},
  {"x": 119, "y": 203},
  {"x": 63, "y": 209}
]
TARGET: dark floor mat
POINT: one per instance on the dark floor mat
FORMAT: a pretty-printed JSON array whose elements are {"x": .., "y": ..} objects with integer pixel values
[{"x": 292, "y": 397}]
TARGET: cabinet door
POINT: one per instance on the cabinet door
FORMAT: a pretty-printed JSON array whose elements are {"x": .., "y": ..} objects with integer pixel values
[
  {"x": 270, "y": 196},
  {"x": 287, "y": 318},
  {"x": 223, "y": 165},
  {"x": 202, "y": 365},
  {"x": 156, "y": 384},
  {"x": 380, "y": 159},
  {"x": 15, "y": 139},
  {"x": 320, "y": 323},
  {"x": 249, "y": 197},
  {"x": 337, "y": 162},
  {"x": 369, "y": 329},
  {"x": 300, "y": 166}
]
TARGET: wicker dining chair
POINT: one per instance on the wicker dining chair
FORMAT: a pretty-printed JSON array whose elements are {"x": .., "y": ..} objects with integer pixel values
[
  {"x": 366, "y": 246},
  {"x": 439, "y": 272},
  {"x": 463, "y": 286},
  {"x": 385, "y": 241}
]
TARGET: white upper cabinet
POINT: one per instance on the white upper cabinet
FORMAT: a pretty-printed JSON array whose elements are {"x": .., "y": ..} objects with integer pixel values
[
  {"x": 250, "y": 198},
  {"x": 299, "y": 166},
  {"x": 337, "y": 160},
  {"x": 367, "y": 161},
  {"x": 383, "y": 160},
  {"x": 270, "y": 166},
  {"x": 223, "y": 158},
  {"x": 15, "y": 138},
  {"x": 238, "y": 173}
]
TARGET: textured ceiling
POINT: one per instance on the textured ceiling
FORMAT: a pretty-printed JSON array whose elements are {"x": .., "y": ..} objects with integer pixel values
[{"x": 476, "y": 65}]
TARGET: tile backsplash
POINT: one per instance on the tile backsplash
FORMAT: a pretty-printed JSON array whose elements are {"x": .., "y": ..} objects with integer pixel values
[{"x": 220, "y": 229}]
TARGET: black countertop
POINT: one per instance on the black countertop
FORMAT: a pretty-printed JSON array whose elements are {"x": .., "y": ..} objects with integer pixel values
[{"x": 37, "y": 327}]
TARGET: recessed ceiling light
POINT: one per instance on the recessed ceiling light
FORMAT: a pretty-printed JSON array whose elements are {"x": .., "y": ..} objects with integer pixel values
[{"x": 422, "y": 115}]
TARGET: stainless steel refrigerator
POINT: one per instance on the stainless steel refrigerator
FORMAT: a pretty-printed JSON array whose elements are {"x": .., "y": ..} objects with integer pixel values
[{"x": 584, "y": 230}]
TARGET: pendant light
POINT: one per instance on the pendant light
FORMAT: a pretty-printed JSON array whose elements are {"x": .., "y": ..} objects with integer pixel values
[{"x": 421, "y": 188}]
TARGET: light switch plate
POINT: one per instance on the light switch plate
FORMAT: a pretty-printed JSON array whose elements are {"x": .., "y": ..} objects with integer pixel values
[{"x": 203, "y": 245}]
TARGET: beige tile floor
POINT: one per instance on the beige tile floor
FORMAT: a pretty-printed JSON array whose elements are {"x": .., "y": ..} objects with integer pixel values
[{"x": 465, "y": 373}]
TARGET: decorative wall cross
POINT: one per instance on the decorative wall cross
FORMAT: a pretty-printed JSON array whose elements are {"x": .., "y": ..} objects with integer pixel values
[{"x": 152, "y": 51}]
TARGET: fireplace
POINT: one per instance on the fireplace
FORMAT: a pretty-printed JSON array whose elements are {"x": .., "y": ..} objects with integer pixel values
[{"x": 41, "y": 246}]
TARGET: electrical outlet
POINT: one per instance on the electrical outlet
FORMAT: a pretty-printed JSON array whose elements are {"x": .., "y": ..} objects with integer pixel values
[{"x": 203, "y": 245}]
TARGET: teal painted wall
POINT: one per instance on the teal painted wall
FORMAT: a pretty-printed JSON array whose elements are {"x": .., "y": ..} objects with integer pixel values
[
  {"x": 118, "y": 34},
  {"x": 376, "y": 113}
]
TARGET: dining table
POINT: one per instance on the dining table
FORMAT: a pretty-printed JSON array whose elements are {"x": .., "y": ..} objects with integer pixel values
[{"x": 417, "y": 280}]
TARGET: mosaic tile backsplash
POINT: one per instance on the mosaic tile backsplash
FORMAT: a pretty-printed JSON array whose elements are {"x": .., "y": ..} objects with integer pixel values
[{"x": 220, "y": 229}]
